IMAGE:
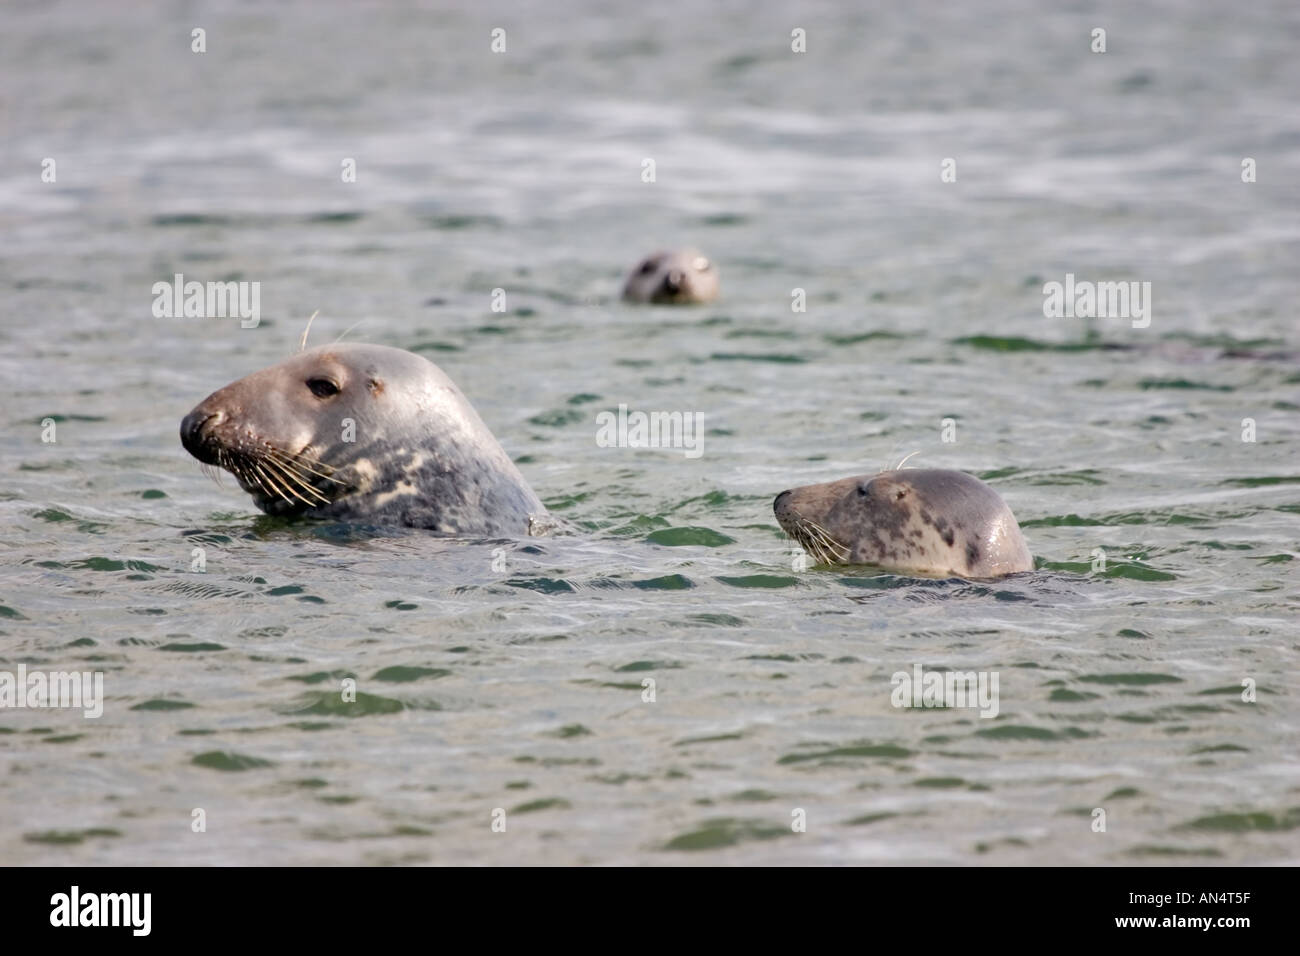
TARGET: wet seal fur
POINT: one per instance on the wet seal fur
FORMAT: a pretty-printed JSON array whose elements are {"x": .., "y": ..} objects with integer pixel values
[
  {"x": 924, "y": 521},
  {"x": 679, "y": 277},
  {"x": 419, "y": 454}
]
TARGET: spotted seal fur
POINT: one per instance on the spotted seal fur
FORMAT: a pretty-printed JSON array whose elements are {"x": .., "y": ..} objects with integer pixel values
[{"x": 914, "y": 521}]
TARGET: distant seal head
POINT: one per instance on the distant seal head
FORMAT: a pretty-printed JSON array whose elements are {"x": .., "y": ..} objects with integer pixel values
[
  {"x": 363, "y": 433},
  {"x": 681, "y": 277},
  {"x": 912, "y": 521}
]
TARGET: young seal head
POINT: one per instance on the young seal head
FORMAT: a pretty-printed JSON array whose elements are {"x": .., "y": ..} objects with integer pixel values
[
  {"x": 682, "y": 277},
  {"x": 365, "y": 433},
  {"x": 915, "y": 521}
]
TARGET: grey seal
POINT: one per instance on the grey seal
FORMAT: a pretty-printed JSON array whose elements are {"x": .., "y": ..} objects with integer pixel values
[
  {"x": 680, "y": 277},
  {"x": 925, "y": 521},
  {"x": 363, "y": 433}
]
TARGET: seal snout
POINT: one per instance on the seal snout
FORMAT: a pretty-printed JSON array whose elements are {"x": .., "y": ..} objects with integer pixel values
[
  {"x": 781, "y": 504},
  {"x": 195, "y": 433}
]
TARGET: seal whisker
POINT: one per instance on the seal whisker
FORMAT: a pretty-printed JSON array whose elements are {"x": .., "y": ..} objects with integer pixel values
[
  {"x": 347, "y": 330},
  {"x": 300, "y": 474},
  {"x": 815, "y": 531},
  {"x": 819, "y": 541},
  {"x": 813, "y": 547},
  {"x": 820, "y": 550},
  {"x": 239, "y": 468},
  {"x": 287, "y": 494},
  {"x": 229, "y": 462},
  {"x": 303, "y": 346},
  {"x": 834, "y": 545},
  {"x": 264, "y": 484},
  {"x": 294, "y": 480},
  {"x": 302, "y": 463},
  {"x": 808, "y": 542}
]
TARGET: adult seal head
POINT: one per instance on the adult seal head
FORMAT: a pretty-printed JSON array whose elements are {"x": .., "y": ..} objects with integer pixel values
[
  {"x": 363, "y": 433},
  {"x": 681, "y": 277},
  {"x": 914, "y": 521}
]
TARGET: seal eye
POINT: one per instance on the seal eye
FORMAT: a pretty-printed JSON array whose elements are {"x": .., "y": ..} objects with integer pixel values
[
  {"x": 322, "y": 387},
  {"x": 648, "y": 267},
  {"x": 902, "y": 493},
  {"x": 864, "y": 489}
]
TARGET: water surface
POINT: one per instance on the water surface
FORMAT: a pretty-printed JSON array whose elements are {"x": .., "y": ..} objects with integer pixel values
[{"x": 522, "y": 689}]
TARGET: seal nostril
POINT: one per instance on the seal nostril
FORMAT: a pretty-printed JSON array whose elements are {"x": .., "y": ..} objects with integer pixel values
[{"x": 192, "y": 426}]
